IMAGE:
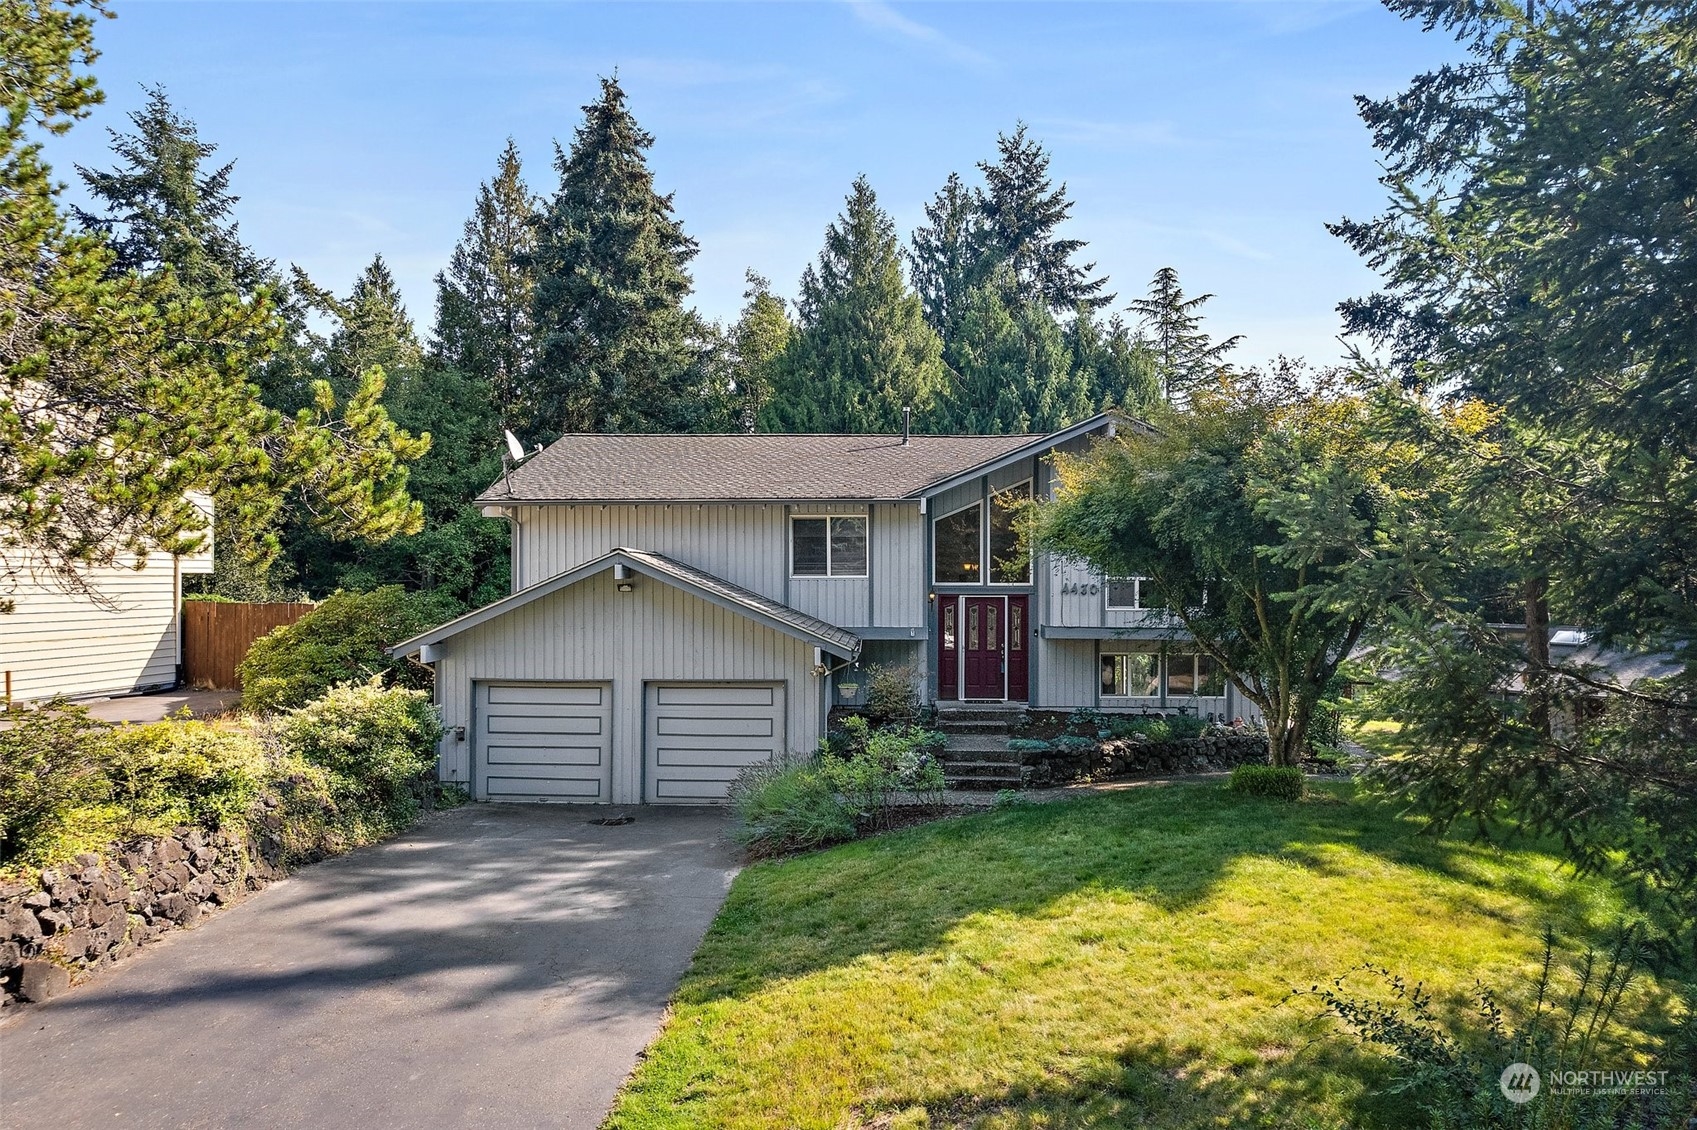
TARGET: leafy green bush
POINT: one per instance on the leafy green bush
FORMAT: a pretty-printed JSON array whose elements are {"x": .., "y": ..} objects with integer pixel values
[
  {"x": 1185, "y": 726},
  {"x": 869, "y": 767},
  {"x": 342, "y": 640},
  {"x": 1284, "y": 782},
  {"x": 786, "y": 806},
  {"x": 52, "y": 765},
  {"x": 183, "y": 772},
  {"x": 892, "y": 693},
  {"x": 1074, "y": 744},
  {"x": 376, "y": 742},
  {"x": 1153, "y": 727}
]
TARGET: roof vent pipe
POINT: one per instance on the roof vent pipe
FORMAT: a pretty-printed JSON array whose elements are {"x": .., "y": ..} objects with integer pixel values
[{"x": 907, "y": 424}]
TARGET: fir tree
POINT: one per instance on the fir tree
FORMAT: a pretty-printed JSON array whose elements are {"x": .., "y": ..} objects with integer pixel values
[
  {"x": 616, "y": 350},
  {"x": 949, "y": 255},
  {"x": 1013, "y": 370},
  {"x": 862, "y": 351},
  {"x": 374, "y": 331},
  {"x": 1022, "y": 210},
  {"x": 1185, "y": 356},
  {"x": 163, "y": 208},
  {"x": 757, "y": 343},
  {"x": 484, "y": 299},
  {"x": 1118, "y": 370}
]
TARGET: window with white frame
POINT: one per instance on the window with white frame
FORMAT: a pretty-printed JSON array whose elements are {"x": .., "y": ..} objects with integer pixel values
[
  {"x": 1132, "y": 674},
  {"x": 828, "y": 546},
  {"x": 1010, "y": 564},
  {"x": 1125, "y": 592},
  {"x": 1197, "y": 675},
  {"x": 957, "y": 546}
]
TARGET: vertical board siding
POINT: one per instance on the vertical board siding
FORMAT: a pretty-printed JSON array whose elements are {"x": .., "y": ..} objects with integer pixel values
[
  {"x": 589, "y": 632},
  {"x": 216, "y": 637},
  {"x": 1066, "y": 674},
  {"x": 63, "y": 644},
  {"x": 898, "y": 566}
]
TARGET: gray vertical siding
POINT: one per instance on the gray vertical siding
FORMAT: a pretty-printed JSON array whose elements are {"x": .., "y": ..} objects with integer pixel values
[
  {"x": 1068, "y": 675},
  {"x": 591, "y": 633}
]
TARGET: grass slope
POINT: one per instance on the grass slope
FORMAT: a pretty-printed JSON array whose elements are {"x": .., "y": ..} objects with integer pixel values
[{"x": 1120, "y": 960}]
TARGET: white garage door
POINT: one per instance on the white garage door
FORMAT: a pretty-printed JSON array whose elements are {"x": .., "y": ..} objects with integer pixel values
[
  {"x": 701, "y": 734},
  {"x": 544, "y": 742}
]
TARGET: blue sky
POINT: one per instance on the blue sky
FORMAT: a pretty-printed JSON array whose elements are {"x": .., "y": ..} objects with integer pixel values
[{"x": 1212, "y": 136}]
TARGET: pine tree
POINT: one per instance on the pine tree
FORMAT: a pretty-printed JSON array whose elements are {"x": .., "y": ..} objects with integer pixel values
[
  {"x": 162, "y": 208},
  {"x": 484, "y": 299},
  {"x": 949, "y": 256},
  {"x": 1022, "y": 211},
  {"x": 757, "y": 343},
  {"x": 1013, "y": 370},
  {"x": 374, "y": 331},
  {"x": 1185, "y": 356},
  {"x": 862, "y": 351},
  {"x": 616, "y": 350}
]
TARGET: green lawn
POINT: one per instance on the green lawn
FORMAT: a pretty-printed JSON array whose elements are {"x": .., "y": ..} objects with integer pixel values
[{"x": 1118, "y": 960}]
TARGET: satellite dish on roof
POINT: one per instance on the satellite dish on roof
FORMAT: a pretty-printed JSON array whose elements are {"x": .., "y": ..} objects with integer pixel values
[{"x": 514, "y": 447}]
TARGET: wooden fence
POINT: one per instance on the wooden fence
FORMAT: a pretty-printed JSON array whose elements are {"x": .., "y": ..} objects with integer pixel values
[{"x": 216, "y": 637}]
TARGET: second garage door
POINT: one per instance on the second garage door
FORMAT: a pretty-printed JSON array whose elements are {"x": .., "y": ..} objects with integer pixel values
[
  {"x": 544, "y": 742},
  {"x": 699, "y": 735}
]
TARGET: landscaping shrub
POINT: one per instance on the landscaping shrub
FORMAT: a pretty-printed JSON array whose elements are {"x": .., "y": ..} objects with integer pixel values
[
  {"x": 183, "y": 772},
  {"x": 1071, "y": 744},
  {"x": 892, "y": 693},
  {"x": 342, "y": 640},
  {"x": 788, "y": 805},
  {"x": 1030, "y": 745},
  {"x": 376, "y": 743},
  {"x": 1282, "y": 781},
  {"x": 52, "y": 765},
  {"x": 870, "y": 766}
]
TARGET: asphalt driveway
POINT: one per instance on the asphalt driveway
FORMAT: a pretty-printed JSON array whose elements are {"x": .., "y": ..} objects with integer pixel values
[{"x": 500, "y": 965}]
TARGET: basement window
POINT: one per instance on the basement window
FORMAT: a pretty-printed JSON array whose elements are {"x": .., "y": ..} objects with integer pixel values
[{"x": 832, "y": 546}]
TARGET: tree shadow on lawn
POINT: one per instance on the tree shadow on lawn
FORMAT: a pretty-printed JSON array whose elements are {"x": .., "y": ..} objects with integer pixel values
[{"x": 1170, "y": 847}]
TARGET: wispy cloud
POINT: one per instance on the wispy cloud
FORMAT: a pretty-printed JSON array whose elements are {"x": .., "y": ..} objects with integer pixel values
[{"x": 881, "y": 15}]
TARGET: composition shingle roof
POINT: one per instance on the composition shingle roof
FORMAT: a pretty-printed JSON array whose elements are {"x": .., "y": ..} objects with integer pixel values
[{"x": 708, "y": 468}]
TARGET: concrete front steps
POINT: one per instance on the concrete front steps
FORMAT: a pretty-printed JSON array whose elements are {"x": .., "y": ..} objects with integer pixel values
[{"x": 977, "y": 754}]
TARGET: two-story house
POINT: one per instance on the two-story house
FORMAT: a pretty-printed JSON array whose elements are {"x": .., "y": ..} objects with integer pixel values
[{"x": 688, "y": 604}]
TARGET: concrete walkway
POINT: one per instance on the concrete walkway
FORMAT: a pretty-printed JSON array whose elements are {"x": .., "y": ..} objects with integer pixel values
[
  {"x": 500, "y": 965},
  {"x": 160, "y": 705}
]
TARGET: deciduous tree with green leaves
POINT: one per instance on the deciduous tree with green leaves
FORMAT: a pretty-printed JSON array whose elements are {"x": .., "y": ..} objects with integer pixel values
[{"x": 1271, "y": 522}]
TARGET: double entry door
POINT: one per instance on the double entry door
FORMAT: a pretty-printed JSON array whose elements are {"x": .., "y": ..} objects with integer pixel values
[{"x": 983, "y": 647}]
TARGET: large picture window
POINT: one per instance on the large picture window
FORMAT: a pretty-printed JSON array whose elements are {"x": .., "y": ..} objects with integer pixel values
[
  {"x": 958, "y": 544},
  {"x": 1194, "y": 675},
  {"x": 1009, "y": 563},
  {"x": 832, "y": 546}
]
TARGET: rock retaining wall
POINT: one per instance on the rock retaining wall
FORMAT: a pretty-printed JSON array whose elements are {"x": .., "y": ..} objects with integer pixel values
[
  {"x": 1119, "y": 757},
  {"x": 100, "y": 909}
]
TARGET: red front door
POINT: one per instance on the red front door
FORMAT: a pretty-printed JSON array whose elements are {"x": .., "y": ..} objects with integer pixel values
[{"x": 984, "y": 635}]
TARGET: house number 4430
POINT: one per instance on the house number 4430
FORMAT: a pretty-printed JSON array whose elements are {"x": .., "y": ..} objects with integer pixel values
[{"x": 1080, "y": 589}]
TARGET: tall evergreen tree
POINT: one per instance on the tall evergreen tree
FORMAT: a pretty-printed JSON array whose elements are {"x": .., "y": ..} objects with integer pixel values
[
  {"x": 1013, "y": 372},
  {"x": 1022, "y": 209},
  {"x": 161, "y": 207},
  {"x": 616, "y": 349},
  {"x": 1117, "y": 369},
  {"x": 862, "y": 350},
  {"x": 374, "y": 330},
  {"x": 1185, "y": 356},
  {"x": 757, "y": 343},
  {"x": 949, "y": 256},
  {"x": 484, "y": 299}
]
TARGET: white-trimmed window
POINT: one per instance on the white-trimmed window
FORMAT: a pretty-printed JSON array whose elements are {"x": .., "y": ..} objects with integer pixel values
[
  {"x": 1133, "y": 674},
  {"x": 957, "y": 546},
  {"x": 1198, "y": 675},
  {"x": 1009, "y": 562},
  {"x": 965, "y": 550},
  {"x": 1125, "y": 592},
  {"x": 828, "y": 545}
]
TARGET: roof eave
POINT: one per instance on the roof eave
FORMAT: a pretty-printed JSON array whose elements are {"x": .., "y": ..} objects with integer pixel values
[{"x": 1041, "y": 443}]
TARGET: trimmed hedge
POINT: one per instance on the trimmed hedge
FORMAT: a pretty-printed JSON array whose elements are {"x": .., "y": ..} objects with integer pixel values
[{"x": 1283, "y": 782}]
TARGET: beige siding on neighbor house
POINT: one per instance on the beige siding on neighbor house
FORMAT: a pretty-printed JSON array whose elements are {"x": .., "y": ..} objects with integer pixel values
[
  {"x": 57, "y": 643},
  {"x": 589, "y": 632}
]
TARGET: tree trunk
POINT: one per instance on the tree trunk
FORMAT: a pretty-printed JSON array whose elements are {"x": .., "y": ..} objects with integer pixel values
[{"x": 1537, "y": 677}]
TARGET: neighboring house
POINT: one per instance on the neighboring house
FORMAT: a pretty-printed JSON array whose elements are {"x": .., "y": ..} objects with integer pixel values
[
  {"x": 126, "y": 637},
  {"x": 688, "y": 604}
]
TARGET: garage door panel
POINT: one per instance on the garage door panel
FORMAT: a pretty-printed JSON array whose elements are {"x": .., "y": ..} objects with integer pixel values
[
  {"x": 544, "y": 724},
  {"x": 735, "y": 727},
  {"x": 502, "y": 694},
  {"x": 715, "y": 696},
  {"x": 499, "y": 755},
  {"x": 544, "y": 742},
  {"x": 698, "y": 737}
]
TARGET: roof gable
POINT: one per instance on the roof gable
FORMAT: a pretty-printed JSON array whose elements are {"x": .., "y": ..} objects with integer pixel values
[{"x": 715, "y": 590}]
